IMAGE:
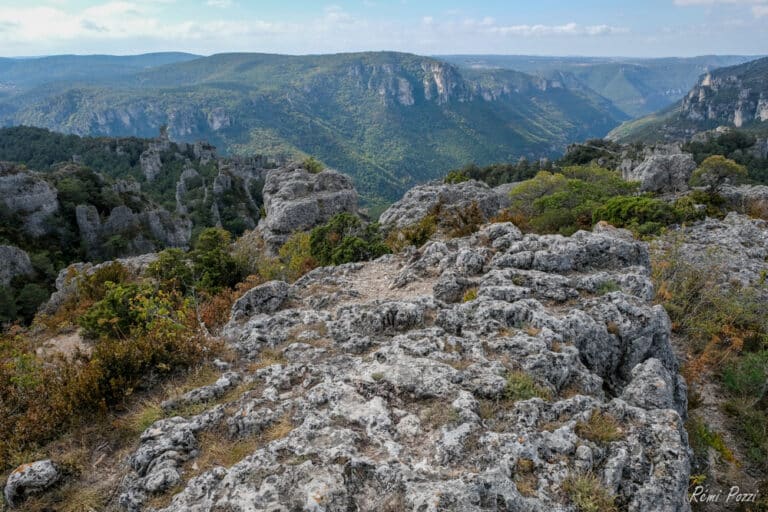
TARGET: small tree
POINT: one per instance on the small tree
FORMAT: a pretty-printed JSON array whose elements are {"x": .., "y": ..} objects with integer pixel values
[
  {"x": 212, "y": 264},
  {"x": 716, "y": 171}
]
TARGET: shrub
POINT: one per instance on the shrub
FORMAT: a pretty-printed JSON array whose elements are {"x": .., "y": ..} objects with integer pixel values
[
  {"x": 455, "y": 177},
  {"x": 42, "y": 398},
  {"x": 312, "y": 165},
  {"x": 172, "y": 270},
  {"x": 29, "y": 299},
  {"x": 112, "y": 316},
  {"x": 94, "y": 286},
  {"x": 294, "y": 258},
  {"x": 564, "y": 202},
  {"x": 416, "y": 234},
  {"x": 469, "y": 295},
  {"x": 748, "y": 377},
  {"x": 7, "y": 306},
  {"x": 344, "y": 239},
  {"x": 458, "y": 222},
  {"x": 725, "y": 327},
  {"x": 213, "y": 266},
  {"x": 716, "y": 318},
  {"x": 643, "y": 214},
  {"x": 495, "y": 174},
  {"x": 716, "y": 171},
  {"x": 746, "y": 380}
]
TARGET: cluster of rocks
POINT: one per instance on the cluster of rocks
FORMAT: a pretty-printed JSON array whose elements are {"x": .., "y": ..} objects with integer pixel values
[
  {"x": 140, "y": 232},
  {"x": 376, "y": 386}
]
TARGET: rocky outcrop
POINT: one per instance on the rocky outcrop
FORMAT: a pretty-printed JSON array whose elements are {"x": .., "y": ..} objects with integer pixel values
[
  {"x": 662, "y": 173},
  {"x": 136, "y": 232},
  {"x": 266, "y": 298},
  {"x": 372, "y": 389},
  {"x": 27, "y": 195},
  {"x": 151, "y": 159},
  {"x": 418, "y": 202},
  {"x": 13, "y": 262},
  {"x": 737, "y": 246},
  {"x": 297, "y": 200},
  {"x": 29, "y": 479}
]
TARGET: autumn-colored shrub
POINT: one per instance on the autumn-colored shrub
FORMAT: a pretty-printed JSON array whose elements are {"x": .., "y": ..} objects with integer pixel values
[
  {"x": 416, "y": 234},
  {"x": 44, "y": 395}
]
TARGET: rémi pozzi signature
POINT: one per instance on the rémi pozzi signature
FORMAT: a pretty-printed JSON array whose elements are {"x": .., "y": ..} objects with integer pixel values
[{"x": 703, "y": 494}]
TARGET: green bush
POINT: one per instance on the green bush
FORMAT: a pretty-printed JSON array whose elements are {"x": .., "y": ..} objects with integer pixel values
[
  {"x": 112, "y": 316},
  {"x": 642, "y": 214},
  {"x": 312, "y": 165},
  {"x": 213, "y": 266},
  {"x": 173, "y": 270},
  {"x": 345, "y": 239},
  {"x": 495, "y": 174},
  {"x": 565, "y": 202},
  {"x": 716, "y": 171},
  {"x": 455, "y": 177},
  {"x": 7, "y": 306},
  {"x": 748, "y": 377}
]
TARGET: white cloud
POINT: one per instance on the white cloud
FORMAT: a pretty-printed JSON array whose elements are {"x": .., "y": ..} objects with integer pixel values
[
  {"x": 568, "y": 29},
  {"x": 222, "y": 4},
  {"x": 760, "y": 10}
]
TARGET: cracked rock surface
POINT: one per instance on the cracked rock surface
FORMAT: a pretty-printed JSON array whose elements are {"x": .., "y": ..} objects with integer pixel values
[{"x": 376, "y": 387}]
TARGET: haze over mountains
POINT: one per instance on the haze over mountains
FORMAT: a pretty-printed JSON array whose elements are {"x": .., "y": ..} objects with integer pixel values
[
  {"x": 635, "y": 86},
  {"x": 388, "y": 119}
]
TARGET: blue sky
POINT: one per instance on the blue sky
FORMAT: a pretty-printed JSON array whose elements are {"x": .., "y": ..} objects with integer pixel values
[{"x": 545, "y": 27}]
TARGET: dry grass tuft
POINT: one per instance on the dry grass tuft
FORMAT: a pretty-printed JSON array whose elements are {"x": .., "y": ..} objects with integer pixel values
[
  {"x": 587, "y": 494},
  {"x": 600, "y": 428}
]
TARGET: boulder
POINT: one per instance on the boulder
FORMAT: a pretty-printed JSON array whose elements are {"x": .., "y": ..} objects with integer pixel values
[
  {"x": 663, "y": 173},
  {"x": 297, "y": 200},
  {"x": 13, "y": 262},
  {"x": 418, "y": 202},
  {"x": 29, "y": 479},
  {"x": 265, "y": 298},
  {"x": 747, "y": 199}
]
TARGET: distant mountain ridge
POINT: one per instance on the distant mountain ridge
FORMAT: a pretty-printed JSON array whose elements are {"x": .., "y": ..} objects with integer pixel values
[
  {"x": 735, "y": 96},
  {"x": 388, "y": 119},
  {"x": 635, "y": 86}
]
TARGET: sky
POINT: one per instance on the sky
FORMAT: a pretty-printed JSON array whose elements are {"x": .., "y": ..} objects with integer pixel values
[{"x": 651, "y": 28}]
